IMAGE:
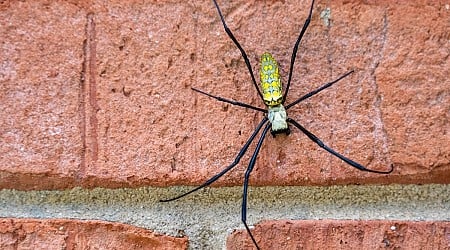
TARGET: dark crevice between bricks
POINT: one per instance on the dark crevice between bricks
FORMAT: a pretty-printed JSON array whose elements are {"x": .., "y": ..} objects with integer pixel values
[
  {"x": 92, "y": 86},
  {"x": 87, "y": 99},
  {"x": 82, "y": 112}
]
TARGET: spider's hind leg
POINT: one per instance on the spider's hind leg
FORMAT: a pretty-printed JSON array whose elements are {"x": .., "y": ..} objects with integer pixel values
[
  {"x": 246, "y": 179},
  {"x": 350, "y": 162},
  {"x": 231, "y": 166}
]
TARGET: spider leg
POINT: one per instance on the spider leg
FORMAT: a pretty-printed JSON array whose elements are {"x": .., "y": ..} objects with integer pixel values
[
  {"x": 327, "y": 85},
  {"x": 231, "y": 166},
  {"x": 345, "y": 159},
  {"x": 294, "y": 52},
  {"x": 241, "y": 104},
  {"x": 247, "y": 176},
  {"x": 244, "y": 55}
]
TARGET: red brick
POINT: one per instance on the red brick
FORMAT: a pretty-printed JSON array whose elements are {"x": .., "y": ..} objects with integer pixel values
[
  {"x": 144, "y": 121},
  {"x": 415, "y": 87},
  {"x": 153, "y": 130},
  {"x": 341, "y": 234},
  {"x": 73, "y": 234},
  {"x": 41, "y": 58},
  {"x": 115, "y": 78}
]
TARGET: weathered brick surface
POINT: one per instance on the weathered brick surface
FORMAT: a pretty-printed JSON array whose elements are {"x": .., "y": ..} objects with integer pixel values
[
  {"x": 145, "y": 65},
  {"x": 97, "y": 93},
  {"x": 40, "y": 64},
  {"x": 339, "y": 234},
  {"x": 75, "y": 234}
]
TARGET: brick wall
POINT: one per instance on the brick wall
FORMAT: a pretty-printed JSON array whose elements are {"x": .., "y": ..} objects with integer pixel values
[{"x": 96, "y": 98}]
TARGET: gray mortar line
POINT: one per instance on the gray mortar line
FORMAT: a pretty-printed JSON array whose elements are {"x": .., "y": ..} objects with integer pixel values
[{"x": 210, "y": 215}]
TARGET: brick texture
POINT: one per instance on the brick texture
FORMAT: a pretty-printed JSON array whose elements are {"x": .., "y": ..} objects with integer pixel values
[
  {"x": 97, "y": 93},
  {"x": 68, "y": 234},
  {"x": 40, "y": 136},
  {"x": 339, "y": 234}
]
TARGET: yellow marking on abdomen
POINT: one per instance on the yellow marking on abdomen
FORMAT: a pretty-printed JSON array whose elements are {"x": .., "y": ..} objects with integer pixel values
[{"x": 270, "y": 80}]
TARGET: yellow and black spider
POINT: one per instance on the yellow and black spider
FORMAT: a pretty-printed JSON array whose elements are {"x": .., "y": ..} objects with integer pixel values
[{"x": 275, "y": 117}]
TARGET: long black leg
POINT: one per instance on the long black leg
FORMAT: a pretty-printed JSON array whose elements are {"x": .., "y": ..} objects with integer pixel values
[
  {"x": 244, "y": 55},
  {"x": 241, "y": 104},
  {"x": 294, "y": 52},
  {"x": 247, "y": 176},
  {"x": 235, "y": 162},
  {"x": 345, "y": 159},
  {"x": 327, "y": 85}
]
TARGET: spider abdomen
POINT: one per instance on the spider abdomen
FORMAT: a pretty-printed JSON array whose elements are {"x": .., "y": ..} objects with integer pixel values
[{"x": 270, "y": 80}]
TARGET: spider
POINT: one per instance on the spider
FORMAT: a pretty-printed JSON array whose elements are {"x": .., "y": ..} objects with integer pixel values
[{"x": 275, "y": 117}]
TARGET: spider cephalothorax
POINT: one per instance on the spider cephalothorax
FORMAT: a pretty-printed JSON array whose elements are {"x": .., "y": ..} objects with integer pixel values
[{"x": 275, "y": 117}]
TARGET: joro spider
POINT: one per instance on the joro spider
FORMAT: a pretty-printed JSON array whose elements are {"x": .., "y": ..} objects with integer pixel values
[{"x": 275, "y": 118}]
